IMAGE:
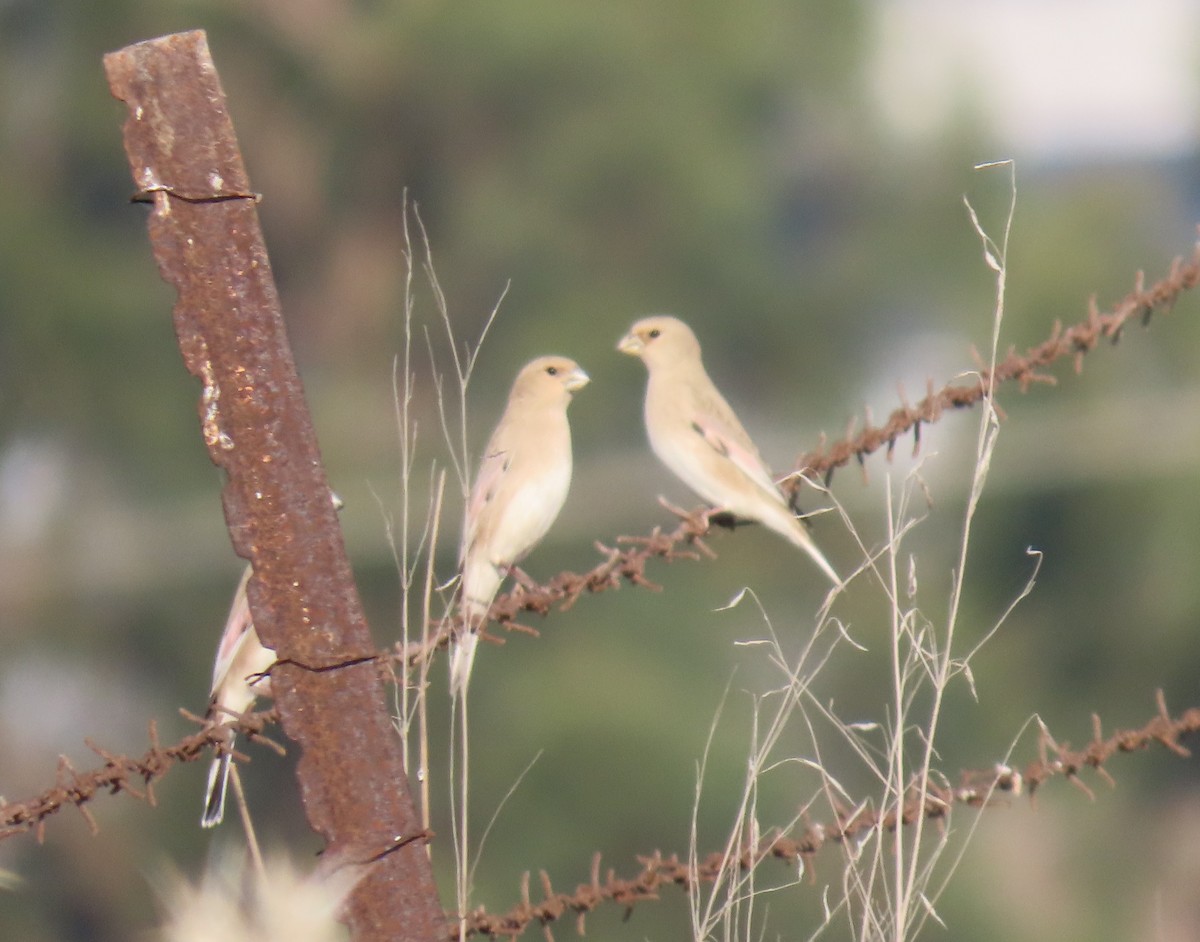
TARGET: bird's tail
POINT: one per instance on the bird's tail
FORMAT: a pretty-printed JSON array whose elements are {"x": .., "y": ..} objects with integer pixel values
[
  {"x": 462, "y": 658},
  {"x": 480, "y": 580},
  {"x": 214, "y": 795},
  {"x": 796, "y": 532},
  {"x": 818, "y": 557}
]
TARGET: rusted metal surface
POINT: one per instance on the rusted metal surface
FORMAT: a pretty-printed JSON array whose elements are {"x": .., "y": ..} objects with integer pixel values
[{"x": 204, "y": 229}]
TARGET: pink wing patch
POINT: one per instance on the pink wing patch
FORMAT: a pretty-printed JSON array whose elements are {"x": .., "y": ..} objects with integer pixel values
[
  {"x": 236, "y": 626},
  {"x": 729, "y": 444}
]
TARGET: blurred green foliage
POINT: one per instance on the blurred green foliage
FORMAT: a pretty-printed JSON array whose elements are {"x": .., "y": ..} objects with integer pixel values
[{"x": 589, "y": 163}]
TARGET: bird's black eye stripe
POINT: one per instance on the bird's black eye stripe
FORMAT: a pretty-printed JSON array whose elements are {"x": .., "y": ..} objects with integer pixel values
[{"x": 552, "y": 370}]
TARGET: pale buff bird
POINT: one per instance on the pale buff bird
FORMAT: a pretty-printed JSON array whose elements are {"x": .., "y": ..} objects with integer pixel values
[
  {"x": 521, "y": 486},
  {"x": 694, "y": 432},
  {"x": 240, "y": 676}
]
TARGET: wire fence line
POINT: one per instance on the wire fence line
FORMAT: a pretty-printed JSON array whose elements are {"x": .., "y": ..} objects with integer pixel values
[
  {"x": 1026, "y": 370},
  {"x": 626, "y": 561},
  {"x": 123, "y": 774},
  {"x": 979, "y": 789}
]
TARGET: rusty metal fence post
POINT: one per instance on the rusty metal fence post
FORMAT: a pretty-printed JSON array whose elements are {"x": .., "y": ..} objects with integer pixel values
[{"x": 204, "y": 229}]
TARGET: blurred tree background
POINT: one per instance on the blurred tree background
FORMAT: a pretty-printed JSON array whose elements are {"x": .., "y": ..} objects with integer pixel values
[{"x": 787, "y": 176}]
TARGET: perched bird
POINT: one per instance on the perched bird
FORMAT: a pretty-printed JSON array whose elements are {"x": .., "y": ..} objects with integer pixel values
[
  {"x": 694, "y": 432},
  {"x": 522, "y": 483},
  {"x": 240, "y": 676}
]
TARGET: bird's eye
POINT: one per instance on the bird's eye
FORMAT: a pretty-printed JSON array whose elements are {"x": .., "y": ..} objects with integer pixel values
[
  {"x": 552, "y": 370},
  {"x": 654, "y": 333}
]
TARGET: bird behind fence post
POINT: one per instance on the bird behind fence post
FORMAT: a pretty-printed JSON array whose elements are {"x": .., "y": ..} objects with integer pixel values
[{"x": 240, "y": 676}]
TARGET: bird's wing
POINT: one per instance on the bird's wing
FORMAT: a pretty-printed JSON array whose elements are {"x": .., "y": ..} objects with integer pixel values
[
  {"x": 721, "y": 431},
  {"x": 492, "y": 469},
  {"x": 237, "y": 624}
]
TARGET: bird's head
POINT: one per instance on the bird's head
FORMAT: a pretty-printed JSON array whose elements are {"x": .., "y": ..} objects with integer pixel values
[
  {"x": 661, "y": 339},
  {"x": 549, "y": 379}
]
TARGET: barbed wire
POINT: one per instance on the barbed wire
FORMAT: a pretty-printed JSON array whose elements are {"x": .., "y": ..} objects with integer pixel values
[
  {"x": 1025, "y": 369},
  {"x": 685, "y": 541},
  {"x": 931, "y": 799},
  {"x": 122, "y": 773}
]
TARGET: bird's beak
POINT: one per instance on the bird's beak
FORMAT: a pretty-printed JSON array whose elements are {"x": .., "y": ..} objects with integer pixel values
[
  {"x": 576, "y": 380},
  {"x": 632, "y": 344}
]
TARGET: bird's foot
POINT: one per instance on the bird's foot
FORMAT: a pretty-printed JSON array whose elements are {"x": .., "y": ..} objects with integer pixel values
[
  {"x": 522, "y": 578},
  {"x": 698, "y": 518},
  {"x": 698, "y": 522}
]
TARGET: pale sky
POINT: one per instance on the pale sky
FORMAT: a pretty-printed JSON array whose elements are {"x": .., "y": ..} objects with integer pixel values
[{"x": 1054, "y": 79}]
